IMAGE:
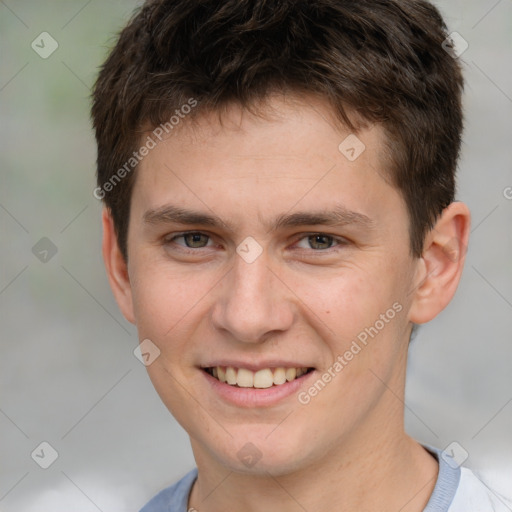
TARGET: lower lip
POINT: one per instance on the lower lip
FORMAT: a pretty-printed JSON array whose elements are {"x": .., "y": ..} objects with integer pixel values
[{"x": 255, "y": 397}]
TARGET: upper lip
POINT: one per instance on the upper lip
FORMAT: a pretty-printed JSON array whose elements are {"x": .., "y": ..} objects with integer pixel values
[{"x": 256, "y": 366}]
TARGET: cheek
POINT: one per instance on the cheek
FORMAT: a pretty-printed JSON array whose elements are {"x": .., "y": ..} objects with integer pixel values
[
  {"x": 346, "y": 302},
  {"x": 362, "y": 331},
  {"x": 359, "y": 315},
  {"x": 164, "y": 299}
]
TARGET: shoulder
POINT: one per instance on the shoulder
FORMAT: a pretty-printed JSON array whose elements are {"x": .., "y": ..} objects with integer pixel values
[
  {"x": 173, "y": 498},
  {"x": 473, "y": 494},
  {"x": 458, "y": 489}
]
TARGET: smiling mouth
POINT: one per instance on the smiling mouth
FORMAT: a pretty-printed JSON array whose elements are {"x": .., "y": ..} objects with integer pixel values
[{"x": 262, "y": 379}]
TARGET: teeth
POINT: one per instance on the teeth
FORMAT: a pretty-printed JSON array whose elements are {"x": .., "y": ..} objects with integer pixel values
[
  {"x": 261, "y": 379},
  {"x": 231, "y": 375},
  {"x": 291, "y": 374},
  {"x": 221, "y": 374},
  {"x": 279, "y": 376},
  {"x": 245, "y": 378}
]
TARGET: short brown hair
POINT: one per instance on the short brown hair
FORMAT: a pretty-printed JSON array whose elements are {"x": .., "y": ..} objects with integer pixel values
[{"x": 381, "y": 59}]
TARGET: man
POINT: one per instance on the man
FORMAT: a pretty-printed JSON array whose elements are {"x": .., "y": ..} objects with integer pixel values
[{"x": 279, "y": 181}]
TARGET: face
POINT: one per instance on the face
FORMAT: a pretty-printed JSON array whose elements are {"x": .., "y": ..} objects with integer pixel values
[{"x": 256, "y": 248}]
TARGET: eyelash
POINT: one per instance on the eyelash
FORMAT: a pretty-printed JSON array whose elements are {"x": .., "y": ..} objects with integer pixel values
[{"x": 340, "y": 241}]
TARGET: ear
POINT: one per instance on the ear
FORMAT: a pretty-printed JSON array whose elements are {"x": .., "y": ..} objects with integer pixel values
[
  {"x": 117, "y": 269},
  {"x": 440, "y": 266}
]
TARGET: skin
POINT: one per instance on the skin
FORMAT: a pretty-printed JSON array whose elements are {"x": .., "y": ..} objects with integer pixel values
[{"x": 297, "y": 301}]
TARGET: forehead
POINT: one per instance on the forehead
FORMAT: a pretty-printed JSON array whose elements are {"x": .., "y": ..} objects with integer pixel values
[
  {"x": 294, "y": 154},
  {"x": 298, "y": 122}
]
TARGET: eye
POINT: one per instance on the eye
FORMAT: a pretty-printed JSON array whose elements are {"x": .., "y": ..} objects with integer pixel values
[
  {"x": 318, "y": 242},
  {"x": 192, "y": 239},
  {"x": 321, "y": 241}
]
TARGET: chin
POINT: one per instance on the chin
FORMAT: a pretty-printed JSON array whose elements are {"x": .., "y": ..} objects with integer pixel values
[{"x": 256, "y": 452}]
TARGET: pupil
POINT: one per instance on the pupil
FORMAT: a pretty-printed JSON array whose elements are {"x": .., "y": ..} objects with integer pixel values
[
  {"x": 321, "y": 240},
  {"x": 193, "y": 238}
]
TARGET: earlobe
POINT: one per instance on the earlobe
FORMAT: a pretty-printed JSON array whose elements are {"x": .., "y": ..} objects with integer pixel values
[
  {"x": 116, "y": 267},
  {"x": 440, "y": 267}
]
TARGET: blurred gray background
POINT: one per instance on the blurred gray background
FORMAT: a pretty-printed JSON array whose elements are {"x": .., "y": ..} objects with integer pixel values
[{"x": 68, "y": 373}]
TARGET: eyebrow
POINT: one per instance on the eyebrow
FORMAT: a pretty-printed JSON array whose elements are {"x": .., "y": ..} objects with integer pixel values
[{"x": 338, "y": 216}]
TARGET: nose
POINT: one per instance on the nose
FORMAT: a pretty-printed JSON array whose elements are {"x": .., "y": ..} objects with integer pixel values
[{"x": 253, "y": 303}]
